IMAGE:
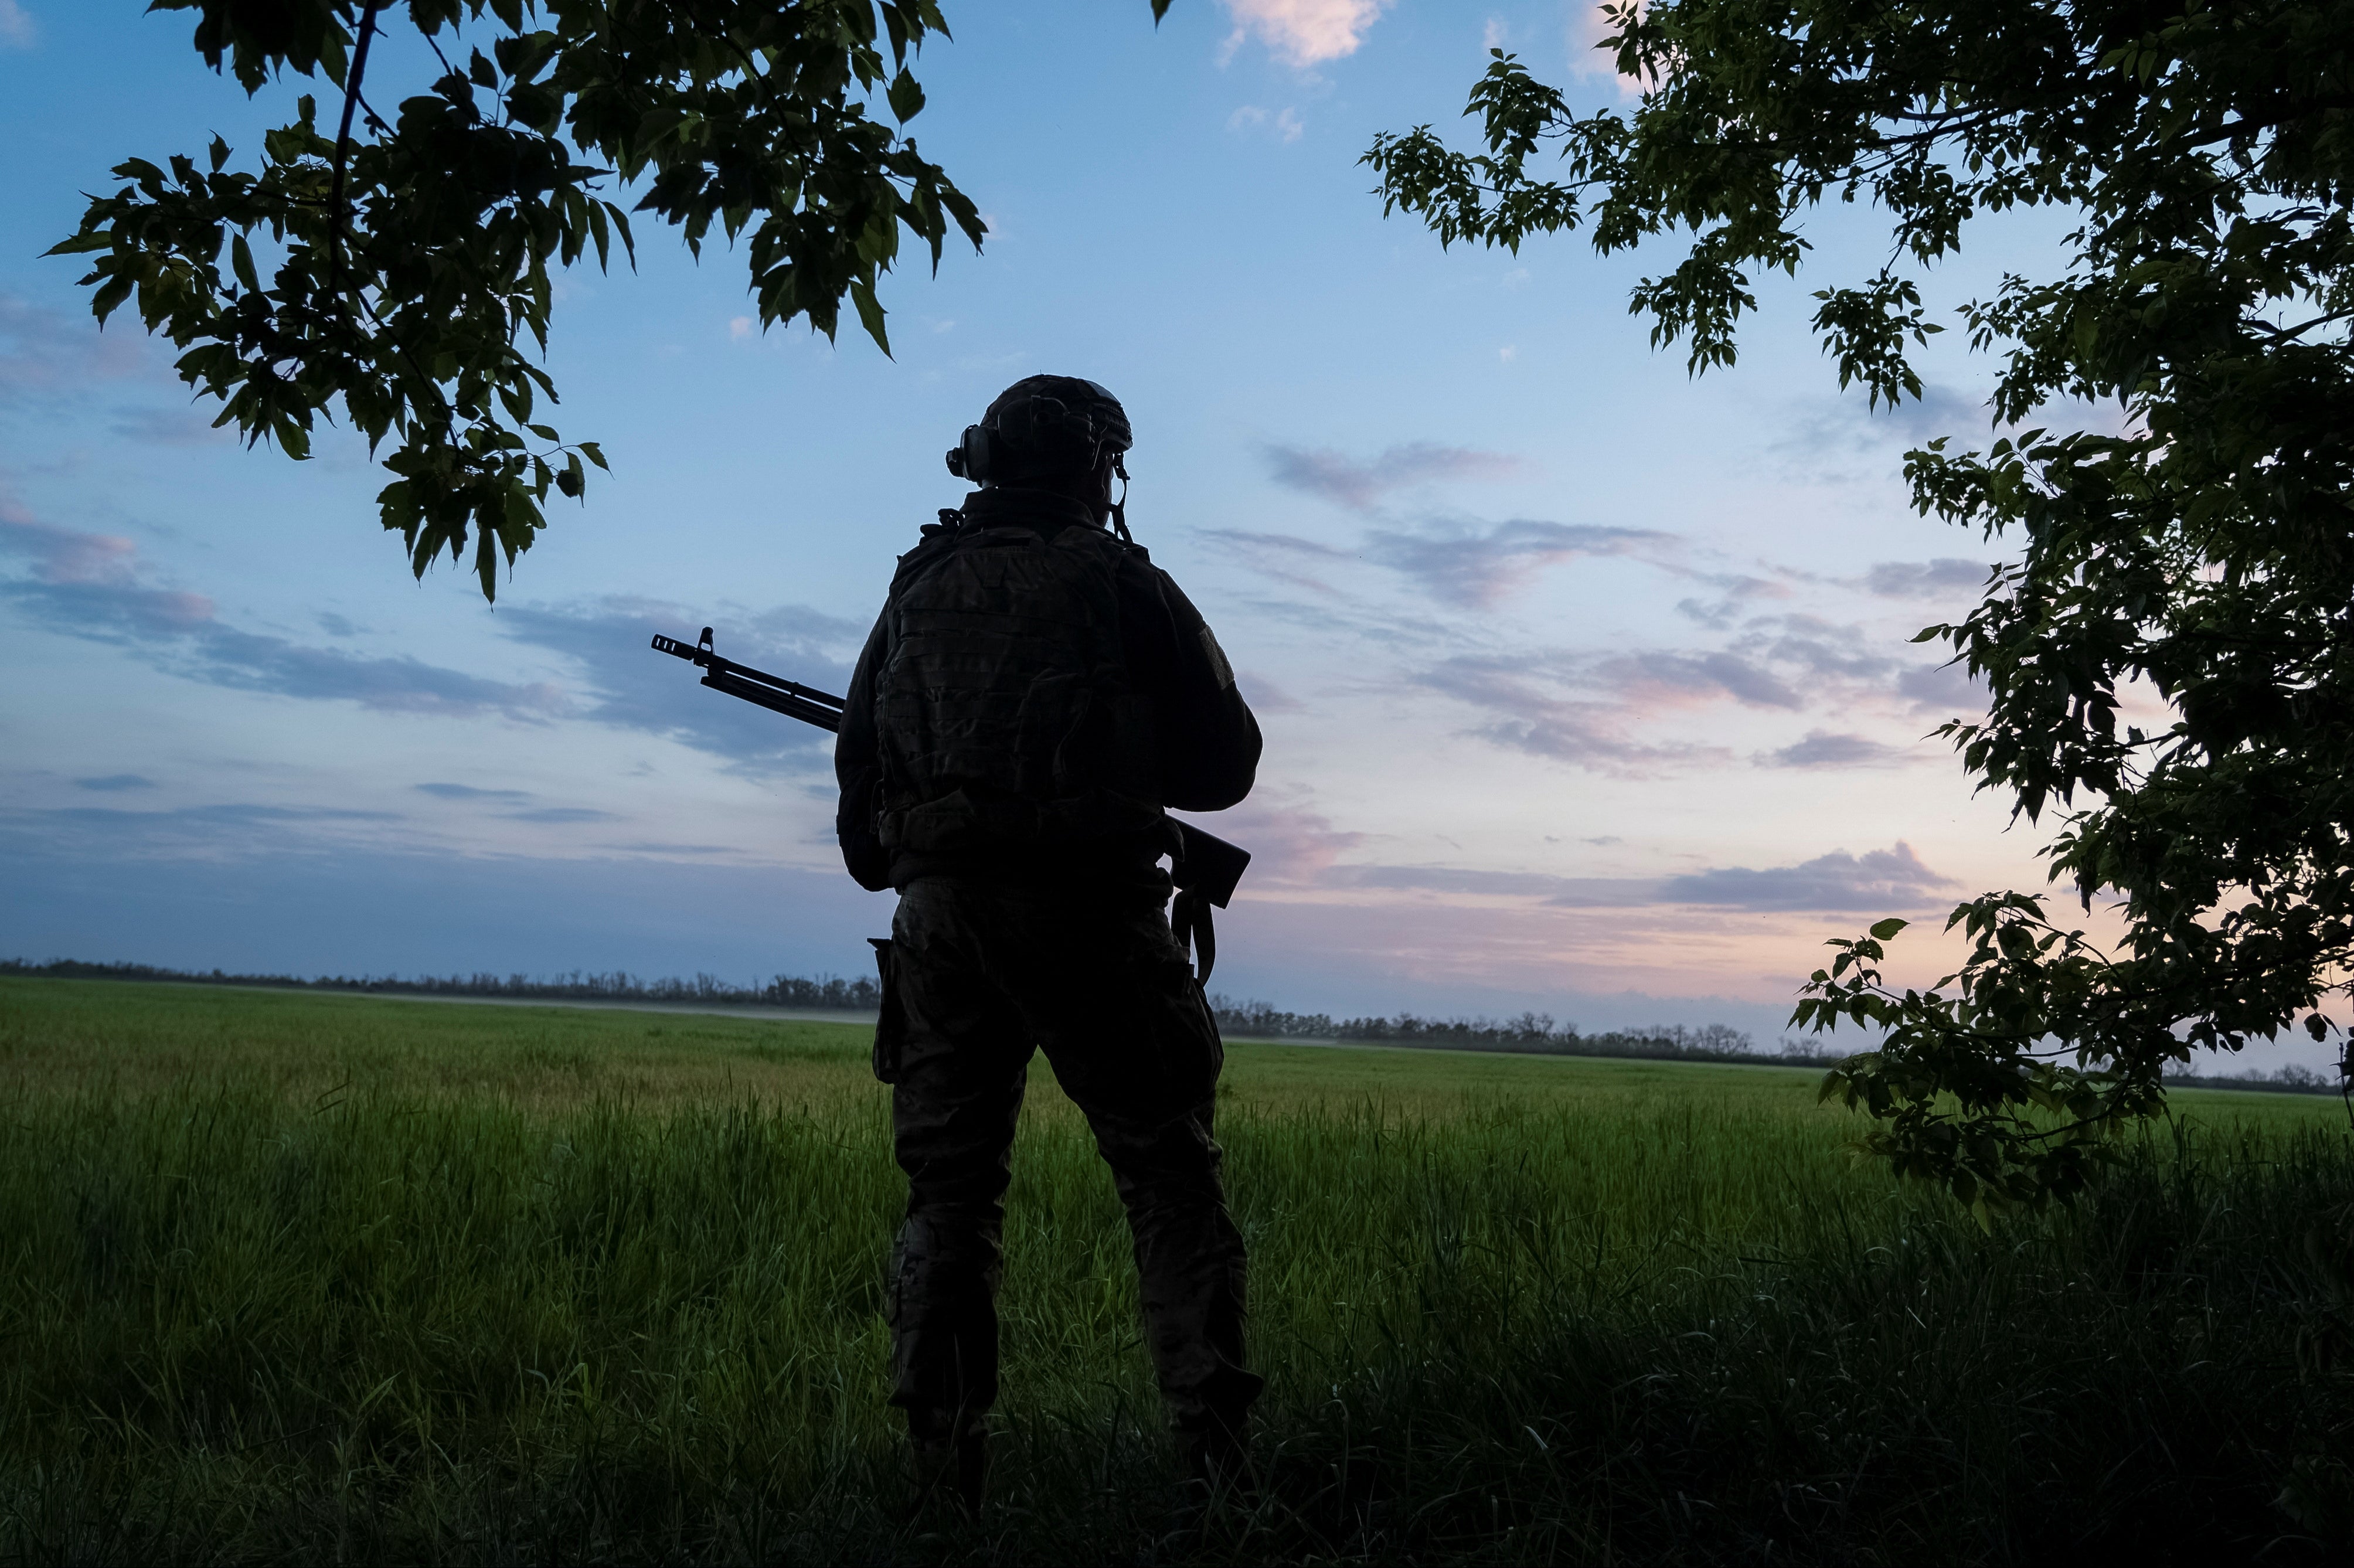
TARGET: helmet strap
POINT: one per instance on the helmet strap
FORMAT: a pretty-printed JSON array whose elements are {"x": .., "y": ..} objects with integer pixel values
[{"x": 1119, "y": 507}]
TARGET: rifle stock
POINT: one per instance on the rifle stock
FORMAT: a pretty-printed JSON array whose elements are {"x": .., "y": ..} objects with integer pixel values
[{"x": 1206, "y": 866}]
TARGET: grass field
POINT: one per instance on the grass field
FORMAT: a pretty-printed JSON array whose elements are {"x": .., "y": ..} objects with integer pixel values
[{"x": 285, "y": 1277}]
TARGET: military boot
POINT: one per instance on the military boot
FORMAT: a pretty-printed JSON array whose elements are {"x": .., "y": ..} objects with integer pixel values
[
  {"x": 950, "y": 1467},
  {"x": 1218, "y": 1468}
]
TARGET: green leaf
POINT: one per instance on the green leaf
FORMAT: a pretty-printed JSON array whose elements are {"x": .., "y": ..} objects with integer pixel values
[
  {"x": 905, "y": 96},
  {"x": 870, "y": 312},
  {"x": 241, "y": 261},
  {"x": 1881, "y": 930},
  {"x": 110, "y": 293}
]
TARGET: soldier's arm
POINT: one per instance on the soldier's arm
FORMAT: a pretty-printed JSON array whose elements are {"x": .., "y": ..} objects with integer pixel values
[
  {"x": 855, "y": 770},
  {"x": 1209, "y": 740}
]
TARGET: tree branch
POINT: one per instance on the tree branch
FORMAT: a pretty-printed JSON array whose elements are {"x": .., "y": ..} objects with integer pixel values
[
  {"x": 344, "y": 148},
  {"x": 2282, "y": 335}
]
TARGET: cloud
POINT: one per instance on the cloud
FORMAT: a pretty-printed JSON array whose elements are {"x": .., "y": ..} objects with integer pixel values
[
  {"x": 1452, "y": 879},
  {"x": 517, "y": 797},
  {"x": 44, "y": 352},
  {"x": 1302, "y": 33},
  {"x": 1533, "y": 719},
  {"x": 1383, "y": 630},
  {"x": 1588, "y": 706},
  {"x": 1265, "y": 696},
  {"x": 114, "y": 782},
  {"x": 1472, "y": 569},
  {"x": 1942, "y": 689},
  {"x": 1358, "y": 483},
  {"x": 1284, "y": 556},
  {"x": 225, "y": 832},
  {"x": 1926, "y": 580},
  {"x": 1290, "y": 843},
  {"x": 1662, "y": 678},
  {"x": 1939, "y": 411},
  {"x": 17, "y": 29},
  {"x": 1554, "y": 892},
  {"x": 169, "y": 428},
  {"x": 1880, "y": 879},
  {"x": 468, "y": 792},
  {"x": 1822, "y": 649},
  {"x": 1584, "y": 708},
  {"x": 1738, "y": 590},
  {"x": 245, "y": 812},
  {"x": 92, "y": 586},
  {"x": 1588, "y": 28},
  {"x": 1823, "y": 749},
  {"x": 1849, "y": 425},
  {"x": 636, "y": 688},
  {"x": 1285, "y": 125}
]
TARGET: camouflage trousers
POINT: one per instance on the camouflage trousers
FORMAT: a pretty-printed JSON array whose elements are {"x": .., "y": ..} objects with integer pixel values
[{"x": 976, "y": 976}]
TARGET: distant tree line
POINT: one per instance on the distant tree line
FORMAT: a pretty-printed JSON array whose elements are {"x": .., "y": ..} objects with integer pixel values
[
  {"x": 827, "y": 993},
  {"x": 1536, "y": 1033}
]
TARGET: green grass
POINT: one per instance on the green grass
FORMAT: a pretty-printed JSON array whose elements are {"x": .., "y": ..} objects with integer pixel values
[{"x": 285, "y": 1275}]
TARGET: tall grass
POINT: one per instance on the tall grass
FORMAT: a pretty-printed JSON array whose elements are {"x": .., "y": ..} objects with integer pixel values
[{"x": 472, "y": 1284}]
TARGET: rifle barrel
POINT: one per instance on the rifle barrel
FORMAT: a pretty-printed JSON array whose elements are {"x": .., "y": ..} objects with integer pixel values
[
  {"x": 792, "y": 704},
  {"x": 774, "y": 692}
]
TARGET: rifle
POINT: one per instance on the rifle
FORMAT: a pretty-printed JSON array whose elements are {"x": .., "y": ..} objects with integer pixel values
[{"x": 1205, "y": 867}]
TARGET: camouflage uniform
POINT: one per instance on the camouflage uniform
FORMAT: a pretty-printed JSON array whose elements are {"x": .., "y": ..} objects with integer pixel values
[
  {"x": 1034, "y": 693},
  {"x": 980, "y": 974}
]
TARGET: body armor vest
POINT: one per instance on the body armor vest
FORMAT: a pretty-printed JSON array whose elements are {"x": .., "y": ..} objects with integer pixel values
[{"x": 1005, "y": 716}]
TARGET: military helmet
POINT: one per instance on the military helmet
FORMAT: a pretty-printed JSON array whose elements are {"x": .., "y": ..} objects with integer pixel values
[{"x": 1042, "y": 425}]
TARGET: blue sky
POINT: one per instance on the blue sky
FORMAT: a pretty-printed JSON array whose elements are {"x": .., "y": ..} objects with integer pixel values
[{"x": 1586, "y": 686}]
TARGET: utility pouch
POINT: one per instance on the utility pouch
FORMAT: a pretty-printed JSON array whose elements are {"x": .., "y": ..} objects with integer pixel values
[{"x": 891, "y": 1021}]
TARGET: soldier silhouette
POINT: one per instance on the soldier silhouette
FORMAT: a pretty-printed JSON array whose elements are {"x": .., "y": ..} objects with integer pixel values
[{"x": 1033, "y": 697}]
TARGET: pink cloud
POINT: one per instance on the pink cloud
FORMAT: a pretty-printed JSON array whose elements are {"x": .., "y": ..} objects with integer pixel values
[
  {"x": 1303, "y": 33},
  {"x": 1588, "y": 28},
  {"x": 65, "y": 559},
  {"x": 1289, "y": 844}
]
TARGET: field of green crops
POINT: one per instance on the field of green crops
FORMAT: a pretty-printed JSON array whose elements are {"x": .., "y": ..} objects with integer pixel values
[{"x": 286, "y": 1276}]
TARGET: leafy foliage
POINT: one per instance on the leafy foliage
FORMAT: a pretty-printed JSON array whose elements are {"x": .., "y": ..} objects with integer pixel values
[
  {"x": 2198, "y": 566},
  {"x": 1967, "y": 1098},
  {"x": 407, "y": 253}
]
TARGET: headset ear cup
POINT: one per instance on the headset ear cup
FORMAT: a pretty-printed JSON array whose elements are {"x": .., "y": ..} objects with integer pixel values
[{"x": 975, "y": 450}]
